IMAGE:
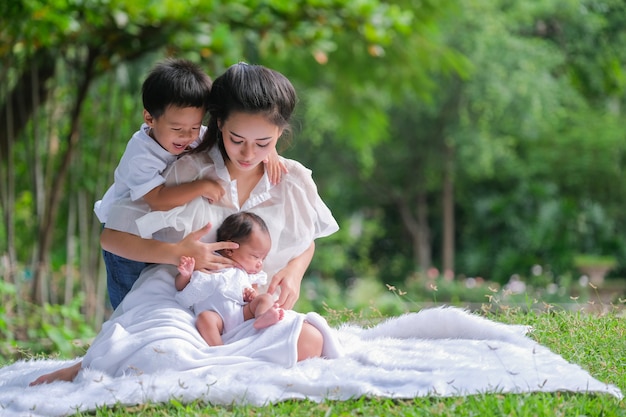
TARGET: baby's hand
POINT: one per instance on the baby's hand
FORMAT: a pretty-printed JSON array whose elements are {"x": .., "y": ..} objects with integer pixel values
[
  {"x": 186, "y": 265},
  {"x": 249, "y": 294},
  {"x": 213, "y": 191}
]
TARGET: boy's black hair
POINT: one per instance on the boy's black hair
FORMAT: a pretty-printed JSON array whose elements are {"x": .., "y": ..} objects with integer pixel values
[{"x": 175, "y": 82}]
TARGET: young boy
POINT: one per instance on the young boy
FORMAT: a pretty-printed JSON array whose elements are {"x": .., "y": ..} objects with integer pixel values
[
  {"x": 174, "y": 99},
  {"x": 223, "y": 299}
]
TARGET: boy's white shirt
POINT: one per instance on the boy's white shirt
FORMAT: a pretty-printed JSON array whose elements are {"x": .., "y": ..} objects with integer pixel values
[{"x": 139, "y": 170}]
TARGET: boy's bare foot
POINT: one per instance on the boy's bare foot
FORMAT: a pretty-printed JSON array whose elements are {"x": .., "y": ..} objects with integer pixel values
[
  {"x": 186, "y": 265},
  {"x": 271, "y": 316},
  {"x": 64, "y": 374}
]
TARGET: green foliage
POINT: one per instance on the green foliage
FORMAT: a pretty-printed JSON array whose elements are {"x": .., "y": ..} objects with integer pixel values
[
  {"x": 533, "y": 215},
  {"x": 102, "y": 49},
  {"x": 404, "y": 62},
  {"x": 7, "y": 292},
  {"x": 498, "y": 93},
  {"x": 527, "y": 97},
  {"x": 29, "y": 329}
]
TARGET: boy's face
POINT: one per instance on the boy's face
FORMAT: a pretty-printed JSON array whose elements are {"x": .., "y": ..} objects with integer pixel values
[
  {"x": 177, "y": 128},
  {"x": 251, "y": 253}
]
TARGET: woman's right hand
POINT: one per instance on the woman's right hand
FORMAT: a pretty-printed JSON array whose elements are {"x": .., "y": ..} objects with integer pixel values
[{"x": 204, "y": 253}]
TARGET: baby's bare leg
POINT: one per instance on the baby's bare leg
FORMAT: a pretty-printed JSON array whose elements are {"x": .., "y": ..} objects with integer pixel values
[
  {"x": 210, "y": 326},
  {"x": 64, "y": 374},
  {"x": 265, "y": 311}
]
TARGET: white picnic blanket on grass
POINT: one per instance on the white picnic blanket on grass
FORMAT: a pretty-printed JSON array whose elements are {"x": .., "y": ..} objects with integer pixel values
[{"x": 151, "y": 353}]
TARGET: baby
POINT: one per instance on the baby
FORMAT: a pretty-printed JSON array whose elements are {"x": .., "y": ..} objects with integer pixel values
[{"x": 226, "y": 298}]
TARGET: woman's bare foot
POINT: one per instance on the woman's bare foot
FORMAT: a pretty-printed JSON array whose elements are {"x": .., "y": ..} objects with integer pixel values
[
  {"x": 270, "y": 317},
  {"x": 64, "y": 374}
]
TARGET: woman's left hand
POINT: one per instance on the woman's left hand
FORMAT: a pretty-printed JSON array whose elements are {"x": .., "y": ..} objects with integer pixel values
[{"x": 289, "y": 284}]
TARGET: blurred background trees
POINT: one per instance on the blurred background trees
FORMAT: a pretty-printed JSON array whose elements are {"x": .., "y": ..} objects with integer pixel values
[{"x": 481, "y": 138}]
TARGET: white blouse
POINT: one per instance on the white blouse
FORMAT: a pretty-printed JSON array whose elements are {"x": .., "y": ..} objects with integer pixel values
[{"x": 293, "y": 210}]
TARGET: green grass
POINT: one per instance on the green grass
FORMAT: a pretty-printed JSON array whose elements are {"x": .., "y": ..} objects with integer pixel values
[{"x": 597, "y": 342}]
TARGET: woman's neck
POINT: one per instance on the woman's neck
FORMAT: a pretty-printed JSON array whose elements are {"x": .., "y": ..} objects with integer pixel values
[{"x": 246, "y": 180}]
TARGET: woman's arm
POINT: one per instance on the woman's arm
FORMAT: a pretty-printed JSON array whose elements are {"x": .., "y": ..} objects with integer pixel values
[
  {"x": 290, "y": 277},
  {"x": 136, "y": 248},
  {"x": 165, "y": 198}
]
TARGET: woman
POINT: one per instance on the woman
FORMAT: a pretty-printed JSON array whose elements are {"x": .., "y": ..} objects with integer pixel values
[{"x": 250, "y": 107}]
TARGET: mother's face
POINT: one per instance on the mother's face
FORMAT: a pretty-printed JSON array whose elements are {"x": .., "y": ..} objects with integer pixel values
[{"x": 248, "y": 139}]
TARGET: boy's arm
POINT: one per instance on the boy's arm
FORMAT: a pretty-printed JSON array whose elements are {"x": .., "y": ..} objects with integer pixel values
[
  {"x": 274, "y": 167},
  {"x": 163, "y": 198}
]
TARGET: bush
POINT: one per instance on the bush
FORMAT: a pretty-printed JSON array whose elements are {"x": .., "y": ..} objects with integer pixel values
[{"x": 28, "y": 329}]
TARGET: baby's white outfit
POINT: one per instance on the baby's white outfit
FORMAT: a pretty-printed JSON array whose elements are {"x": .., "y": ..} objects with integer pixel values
[{"x": 220, "y": 291}]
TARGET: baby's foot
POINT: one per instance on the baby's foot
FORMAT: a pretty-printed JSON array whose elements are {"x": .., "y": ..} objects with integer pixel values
[
  {"x": 270, "y": 317},
  {"x": 186, "y": 265}
]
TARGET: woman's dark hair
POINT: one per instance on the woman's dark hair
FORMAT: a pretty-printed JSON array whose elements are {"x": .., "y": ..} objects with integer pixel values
[
  {"x": 238, "y": 226},
  {"x": 175, "y": 82},
  {"x": 252, "y": 89}
]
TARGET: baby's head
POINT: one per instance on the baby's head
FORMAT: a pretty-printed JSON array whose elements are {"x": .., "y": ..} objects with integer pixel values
[{"x": 251, "y": 233}]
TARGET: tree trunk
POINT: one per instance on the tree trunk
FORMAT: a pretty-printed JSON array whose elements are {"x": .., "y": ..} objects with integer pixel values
[
  {"x": 70, "y": 244},
  {"x": 88, "y": 271},
  {"x": 39, "y": 182},
  {"x": 417, "y": 225},
  {"x": 8, "y": 261},
  {"x": 424, "y": 250},
  {"x": 7, "y": 196},
  {"x": 56, "y": 190},
  {"x": 448, "y": 211},
  {"x": 22, "y": 101}
]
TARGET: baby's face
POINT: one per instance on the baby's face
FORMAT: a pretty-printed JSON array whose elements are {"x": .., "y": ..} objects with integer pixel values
[{"x": 251, "y": 253}]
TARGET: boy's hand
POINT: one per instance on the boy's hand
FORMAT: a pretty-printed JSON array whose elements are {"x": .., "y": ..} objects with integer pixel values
[
  {"x": 213, "y": 191},
  {"x": 274, "y": 167}
]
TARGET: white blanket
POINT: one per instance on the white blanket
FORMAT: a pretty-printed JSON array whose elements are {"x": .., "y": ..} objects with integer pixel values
[{"x": 152, "y": 353}]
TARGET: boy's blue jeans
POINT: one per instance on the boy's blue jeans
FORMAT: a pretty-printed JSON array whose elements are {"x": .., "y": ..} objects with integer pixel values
[{"x": 121, "y": 275}]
